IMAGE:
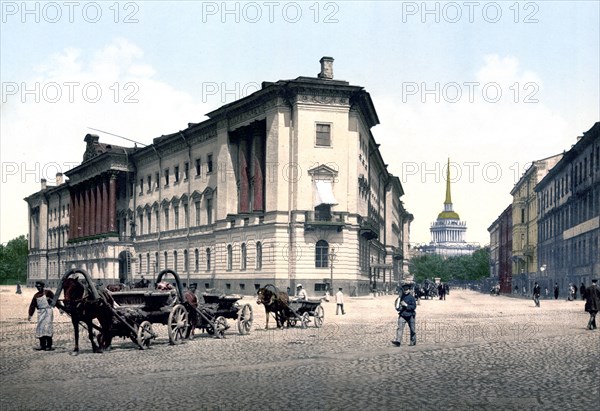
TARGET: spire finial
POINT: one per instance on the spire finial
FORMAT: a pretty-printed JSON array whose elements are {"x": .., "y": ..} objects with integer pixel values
[{"x": 448, "y": 195}]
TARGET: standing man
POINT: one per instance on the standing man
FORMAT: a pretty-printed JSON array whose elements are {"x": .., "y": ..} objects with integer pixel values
[
  {"x": 190, "y": 298},
  {"x": 556, "y": 291},
  {"x": 44, "y": 330},
  {"x": 592, "y": 303},
  {"x": 536, "y": 294},
  {"x": 339, "y": 300},
  {"x": 406, "y": 306}
]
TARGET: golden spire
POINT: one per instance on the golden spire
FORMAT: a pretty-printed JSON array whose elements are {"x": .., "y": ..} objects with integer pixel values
[
  {"x": 448, "y": 195},
  {"x": 448, "y": 213}
]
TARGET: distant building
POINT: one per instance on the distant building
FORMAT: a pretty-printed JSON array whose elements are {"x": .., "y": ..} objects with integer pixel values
[
  {"x": 568, "y": 200},
  {"x": 284, "y": 186},
  {"x": 448, "y": 232},
  {"x": 525, "y": 214},
  {"x": 501, "y": 250}
]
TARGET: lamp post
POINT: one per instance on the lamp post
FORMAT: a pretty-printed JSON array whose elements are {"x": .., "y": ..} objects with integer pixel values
[{"x": 332, "y": 258}]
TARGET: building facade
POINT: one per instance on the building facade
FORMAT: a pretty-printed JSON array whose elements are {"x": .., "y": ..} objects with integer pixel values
[
  {"x": 284, "y": 186},
  {"x": 568, "y": 200},
  {"x": 501, "y": 250},
  {"x": 525, "y": 214},
  {"x": 448, "y": 232}
]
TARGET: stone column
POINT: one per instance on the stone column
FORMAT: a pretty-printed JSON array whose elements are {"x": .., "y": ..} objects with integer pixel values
[
  {"x": 112, "y": 202},
  {"x": 80, "y": 212},
  {"x": 99, "y": 200},
  {"x": 104, "y": 205},
  {"x": 86, "y": 212},
  {"x": 92, "y": 220}
]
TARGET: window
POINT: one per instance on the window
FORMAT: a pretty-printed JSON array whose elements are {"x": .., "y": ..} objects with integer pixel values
[
  {"x": 149, "y": 178},
  {"x": 141, "y": 224},
  {"x": 186, "y": 171},
  {"x": 244, "y": 255},
  {"x": 156, "y": 262},
  {"x": 197, "y": 208},
  {"x": 141, "y": 186},
  {"x": 157, "y": 179},
  {"x": 209, "y": 163},
  {"x": 198, "y": 167},
  {"x": 166, "y": 219},
  {"x": 175, "y": 260},
  {"x": 185, "y": 261},
  {"x": 196, "y": 260},
  {"x": 323, "y": 135},
  {"x": 166, "y": 177},
  {"x": 208, "y": 211},
  {"x": 229, "y": 257},
  {"x": 522, "y": 215},
  {"x": 147, "y": 262},
  {"x": 149, "y": 221},
  {"x": 166, "y": 260},
  {"x": 208, "y": 259},
  {"x": 177, "y": 174},
  {"x": 321, "y": 254},
  {"x": 185, "y": 215},
  {"x": 176, "y": 216},
  {"x": 259, "y": 255}
]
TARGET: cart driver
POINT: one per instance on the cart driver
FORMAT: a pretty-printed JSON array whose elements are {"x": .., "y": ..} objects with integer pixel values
[{"x": 300, "y": 292}]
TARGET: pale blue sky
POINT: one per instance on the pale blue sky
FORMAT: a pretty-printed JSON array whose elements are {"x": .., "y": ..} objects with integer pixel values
[{"x": 176, "y": 49}]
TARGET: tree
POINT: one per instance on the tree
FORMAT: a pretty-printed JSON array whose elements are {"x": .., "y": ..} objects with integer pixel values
[
  {"x": 463, "y": 267},
  {"x": 13, "y": 259}
]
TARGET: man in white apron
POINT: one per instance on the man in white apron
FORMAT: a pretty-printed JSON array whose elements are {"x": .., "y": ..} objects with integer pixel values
[{"x": 44, "y": 330}]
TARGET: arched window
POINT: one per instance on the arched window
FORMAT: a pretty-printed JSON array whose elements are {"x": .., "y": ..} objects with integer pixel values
[
  {"x": 175, "y": 260},
  {"x": 259, "y": 255},
  {"x": 208, "y": 259},
  {"x": 166, "y": 260},
  {"x": 229, "y": 257},
  {"x": 196, "y": 260},
  {"x": 156, "y": 261},
  {"x": 147, "y": 262},
  {"x": 185, "y": 261},
  {"x": 244, "y": 255},
  {"x": 321, "y": 254}
]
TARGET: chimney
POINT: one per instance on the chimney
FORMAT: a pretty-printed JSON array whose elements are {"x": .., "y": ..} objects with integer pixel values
[
  {"x": 326, "y": 68},
  {"x": 59, "y": 178},
  {"x": 43, "y": 183}
]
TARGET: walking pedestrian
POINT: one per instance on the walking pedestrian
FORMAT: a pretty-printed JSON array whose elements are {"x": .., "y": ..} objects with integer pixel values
[
  {"x": 582, "y": 291},
  {"x": 574, "y": 292},
  {"x": 592, "y": 303},
  {"x": 339, "y": 301},
  {"x": 406, "y": 307},
  {"x": 44, "y": 330},
  {"x": 19, "y": 291},
  {"x": 536, "y": 294},
  {"x": 556, "y": 291}
]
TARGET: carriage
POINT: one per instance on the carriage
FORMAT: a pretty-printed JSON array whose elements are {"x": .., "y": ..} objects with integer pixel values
[
  {"x": 221, "y": 307},
  {"x": 301, "y": 311},
  {"x": 132, "y": 313}
]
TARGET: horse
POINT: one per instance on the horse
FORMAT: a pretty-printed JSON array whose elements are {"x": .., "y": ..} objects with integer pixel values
[
  {"x": 84, "y": 308},
  {"x": 275, "y": 302}
]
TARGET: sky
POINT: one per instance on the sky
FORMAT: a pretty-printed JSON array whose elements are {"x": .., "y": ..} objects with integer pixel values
[{"x": 492, "y": 86}]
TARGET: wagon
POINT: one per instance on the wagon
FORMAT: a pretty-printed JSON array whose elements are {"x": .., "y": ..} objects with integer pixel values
[
  {"x": 301, "y": 311},
  {"x": 134, "y": 313},
  {"x": 228, "y": 306}
]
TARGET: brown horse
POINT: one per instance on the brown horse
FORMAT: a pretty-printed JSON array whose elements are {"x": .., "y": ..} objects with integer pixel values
[
  {"x": 84, "y": 308},
  {"x": 275, "y": 302}
]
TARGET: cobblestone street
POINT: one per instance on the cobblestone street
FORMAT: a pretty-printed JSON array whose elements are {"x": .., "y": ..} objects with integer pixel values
[{"x": 474, "y": 352}]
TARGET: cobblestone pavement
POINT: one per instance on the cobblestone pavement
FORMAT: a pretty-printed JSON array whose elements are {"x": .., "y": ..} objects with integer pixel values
[{"x": 474, "y": 352}]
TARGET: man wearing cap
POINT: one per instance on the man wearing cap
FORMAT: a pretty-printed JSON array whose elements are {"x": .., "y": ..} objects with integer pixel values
[
  {"x": 41, "y": 301},
  {"x": 592, "y": 302},
  {"x": 536, "y": 294},
  {"x": 301, "y": 292},
  {"x": 190, "y": 298},
  {"x": 406, "y": 306}
]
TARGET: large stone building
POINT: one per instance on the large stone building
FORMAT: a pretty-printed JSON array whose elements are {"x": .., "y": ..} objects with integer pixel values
[
  {"x": 525, "y": 214},
  {"x": 448, "y": 232},
  {"x": 501, "y": 235},
  {"x": 568, "y": 200},
  {"x": 284, "y": 186}
]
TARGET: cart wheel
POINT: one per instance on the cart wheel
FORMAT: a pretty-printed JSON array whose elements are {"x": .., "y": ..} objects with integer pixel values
[
  {"x": 244, "y": 319},
  {"x": 319, "y": 316},
  {"x": 305, "y": 319},
  {"x": 145, "y": 334},
  {"x": 178, "y": 324},
  {"x": 221, "y": 326}
]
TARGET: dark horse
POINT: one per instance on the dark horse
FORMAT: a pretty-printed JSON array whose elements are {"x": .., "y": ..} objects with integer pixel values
[
  {"x": 275, "y": 302},
  {"x": 82, "y": 307}
]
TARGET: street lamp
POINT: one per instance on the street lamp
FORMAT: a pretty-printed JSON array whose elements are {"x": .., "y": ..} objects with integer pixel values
[{"x": 332, "y": 258}]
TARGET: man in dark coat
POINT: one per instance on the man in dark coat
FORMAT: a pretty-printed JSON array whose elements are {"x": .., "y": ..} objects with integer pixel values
[
  {"x": 192, "y": 300},
  {"x": 592, "y": 303},
  {"x": 406, "y": 306},
  {"x": 556, "y": 291},
  {"x": 582, "y": 291},
  {"x": 536, "y": 294}
]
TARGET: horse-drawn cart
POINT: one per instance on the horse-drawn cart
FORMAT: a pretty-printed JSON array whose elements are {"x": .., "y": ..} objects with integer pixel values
[{"x": 301, "y": 311}]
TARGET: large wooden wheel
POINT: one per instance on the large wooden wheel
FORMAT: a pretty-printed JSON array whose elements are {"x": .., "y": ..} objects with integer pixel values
[
  {"x": 145, "y": 334},
  {"x": 305, "y": 319},
  {"x": 244, "y": 319},
  {"x": 319, "y": 316},
  {"x": 220, "y": 326},
  {"x": 178, "y": 324}
]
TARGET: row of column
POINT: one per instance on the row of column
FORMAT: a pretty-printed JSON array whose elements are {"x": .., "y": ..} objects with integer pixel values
[
  {"x": 251, "y": 170},
  {"x": 448, "y": 236},
  {"x": 94, "y": 207}
]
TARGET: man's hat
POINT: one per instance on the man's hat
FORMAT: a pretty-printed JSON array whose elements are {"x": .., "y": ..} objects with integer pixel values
[
  {"x": 595, "y": 280},
  {"x": 299, "y": 285}
]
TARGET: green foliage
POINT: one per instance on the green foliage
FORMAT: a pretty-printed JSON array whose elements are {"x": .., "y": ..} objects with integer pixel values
[
  {"x": 13, "y": 260},
  {"x": 464, "y": 267}
]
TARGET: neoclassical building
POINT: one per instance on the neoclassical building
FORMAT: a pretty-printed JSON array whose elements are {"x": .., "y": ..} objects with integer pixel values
[
  {"x": 568, "y": 203},
  {"x": 284, "y": 186},
  {"x": 448, "y": 232}
]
